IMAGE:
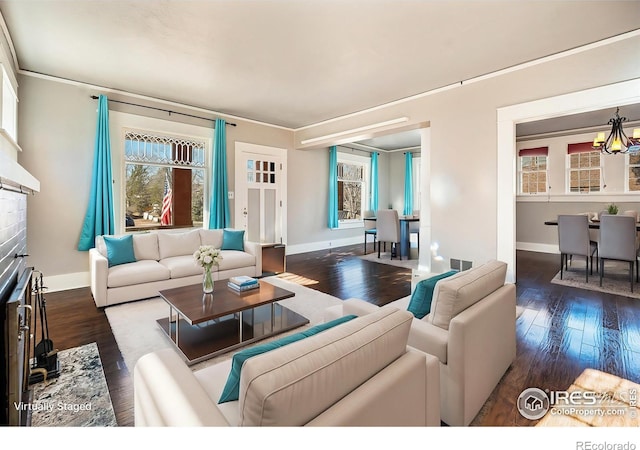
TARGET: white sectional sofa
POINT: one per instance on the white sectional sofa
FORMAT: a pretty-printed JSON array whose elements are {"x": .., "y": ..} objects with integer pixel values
[
  {"x": 164, "y": 259},
  {"x": 471, "y": 329},
  {"x": 358, "y": 373}
]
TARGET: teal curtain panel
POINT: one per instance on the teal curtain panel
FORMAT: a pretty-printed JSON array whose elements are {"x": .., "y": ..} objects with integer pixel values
[
  {"x": 332, "y": 219},
  {"x": 408, "y": 184},
  {"x": 373, "y": 204},
  {"x": 99, "y": 220},
  {"x": 219, "y": 216}
]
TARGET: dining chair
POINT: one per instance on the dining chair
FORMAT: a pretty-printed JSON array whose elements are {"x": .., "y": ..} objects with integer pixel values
[
  {"x": 573, "y": 239},
  {"x": 618, "y": 242},
  {"x": 636, "y": 217},
  {"x": 369, "y": 230},
  {"x": 594, "y": 234},
  {"x": 631, "y": 213},
  {"x": 388, "y": 226}
]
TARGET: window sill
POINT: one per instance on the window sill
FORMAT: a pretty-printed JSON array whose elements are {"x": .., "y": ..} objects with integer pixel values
[
  {"x": 592, "y": 197},
  {"x": 5, "y": 134},
  {"x": 347, "y": 224}
]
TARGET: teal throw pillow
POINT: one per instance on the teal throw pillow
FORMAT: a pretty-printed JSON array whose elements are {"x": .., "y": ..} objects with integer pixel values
[
  {"x": 233, "y": 240},
  {"x": 420, "y": 303},
  {"x": 119, "y": 249},
  {"x": 231, "y": 389}
]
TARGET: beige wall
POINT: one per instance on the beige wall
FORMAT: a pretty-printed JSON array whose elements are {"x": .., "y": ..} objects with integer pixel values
[
  {"x": 308, "y": 200},
  {"x": 463, "y": 155},
  {"x": 396, "y": 189},
  {"x": 57, "y": 133}
]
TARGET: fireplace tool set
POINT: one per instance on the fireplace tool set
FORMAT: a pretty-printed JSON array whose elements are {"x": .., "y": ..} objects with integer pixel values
[{"x": 45, "y": 362}]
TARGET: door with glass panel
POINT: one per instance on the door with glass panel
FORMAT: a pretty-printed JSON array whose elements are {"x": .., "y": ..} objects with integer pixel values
[{"x": 260, "y": 184}]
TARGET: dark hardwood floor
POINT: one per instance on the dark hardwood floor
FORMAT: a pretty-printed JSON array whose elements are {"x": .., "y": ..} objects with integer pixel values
[
  {"x": 562, "y": 330},
  {"x": 74, "y": 320},
  {"x": 342, "y": 274}
]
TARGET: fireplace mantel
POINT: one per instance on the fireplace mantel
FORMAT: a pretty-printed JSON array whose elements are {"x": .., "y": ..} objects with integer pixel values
[{"x": 14, "y": 176}]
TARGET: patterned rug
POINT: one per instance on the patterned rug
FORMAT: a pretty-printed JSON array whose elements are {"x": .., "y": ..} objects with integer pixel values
[
  {"x": 615, "y": 280},
  {"x": 79, "y": 397}
]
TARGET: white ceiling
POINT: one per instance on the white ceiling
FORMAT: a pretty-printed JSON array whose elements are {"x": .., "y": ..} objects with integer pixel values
[
  {"x": 406, "y": 140},
  {"x": 590, "y": 119},
  {"x": 296, "y": 63}
]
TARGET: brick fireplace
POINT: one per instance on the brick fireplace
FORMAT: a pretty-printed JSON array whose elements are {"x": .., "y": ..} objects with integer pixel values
[{"x": 16, "y": 184}]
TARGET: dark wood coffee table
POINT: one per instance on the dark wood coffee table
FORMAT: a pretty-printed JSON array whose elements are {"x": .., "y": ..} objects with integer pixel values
[{"x": 202, "y": 326}]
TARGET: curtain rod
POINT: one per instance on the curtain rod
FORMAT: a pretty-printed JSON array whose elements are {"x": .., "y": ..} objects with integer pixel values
[{"x": 95, "y": 97}]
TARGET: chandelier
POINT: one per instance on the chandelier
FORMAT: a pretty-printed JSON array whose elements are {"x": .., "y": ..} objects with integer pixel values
[{"x": 617, "y": 141}]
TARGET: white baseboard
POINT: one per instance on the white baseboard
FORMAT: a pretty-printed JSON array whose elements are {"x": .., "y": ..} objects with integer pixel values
[
  {"x": 323, "y": 245},
  {"x": 67, "y": 281},
  {"x": 537, "y": 247}
]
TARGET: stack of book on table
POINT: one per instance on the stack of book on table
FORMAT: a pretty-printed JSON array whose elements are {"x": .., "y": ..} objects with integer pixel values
[{"x": 243, "y": 283}]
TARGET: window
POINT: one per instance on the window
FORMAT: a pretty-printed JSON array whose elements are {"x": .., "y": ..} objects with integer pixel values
[
  {"x": 353, "y": 176},
  {"x": 585, "y": 172},
  {"x": 9, "y": 107},
  {"x": 532, "y": 170},
  {"x": 633, "y": 172},
  {"x": 165, "y": 181}
]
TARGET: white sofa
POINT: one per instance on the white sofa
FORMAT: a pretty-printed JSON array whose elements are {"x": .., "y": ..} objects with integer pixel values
[
  {"x": 164, "y": 259},
  {"x": 470, "y": 328},
  {"x": 358, "y": 373}
]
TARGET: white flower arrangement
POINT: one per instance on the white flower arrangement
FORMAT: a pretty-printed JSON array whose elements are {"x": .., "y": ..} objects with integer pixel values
[{"x": 207, "y": 256}]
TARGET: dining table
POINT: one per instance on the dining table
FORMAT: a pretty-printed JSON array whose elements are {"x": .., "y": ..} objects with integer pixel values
[
  {"x": 593, "y": 224},
  {"x": 405, "y": 234}
]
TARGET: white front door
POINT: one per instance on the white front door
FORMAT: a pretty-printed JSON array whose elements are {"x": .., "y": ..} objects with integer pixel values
[{"x": 261, "y": 186}]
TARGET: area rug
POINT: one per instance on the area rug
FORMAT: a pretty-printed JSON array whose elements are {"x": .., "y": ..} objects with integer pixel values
[
  {"x": 615, "y": 280},
  {"x": 385, "y": 258},
  {"x": 137, "y": 333},
  {"x": 79, "y": 397}
]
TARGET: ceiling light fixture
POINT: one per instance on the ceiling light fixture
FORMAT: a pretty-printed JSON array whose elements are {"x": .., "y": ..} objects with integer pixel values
[
  {"x": 355, "y": 130},
  {"x": 617, "y": 141}
]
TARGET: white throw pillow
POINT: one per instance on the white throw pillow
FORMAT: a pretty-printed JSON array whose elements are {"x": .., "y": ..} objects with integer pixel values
[
  {"x": 145, "y": 246},
  {"x": 211, "y": 237},
  {"x": 178, "y": 244}
]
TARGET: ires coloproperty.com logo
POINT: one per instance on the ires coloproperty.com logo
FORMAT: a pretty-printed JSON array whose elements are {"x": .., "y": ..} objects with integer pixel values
[{"x": 534, "y": 403}]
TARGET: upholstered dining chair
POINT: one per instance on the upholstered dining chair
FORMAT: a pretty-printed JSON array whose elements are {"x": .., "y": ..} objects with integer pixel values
[
  {"x": 369, "y": 230},
  {"x": 631, "y": 213},
  {"x": 594, "y": 233},
  {"x": 618, "y": 242},
  {"x": 388, "y": 227},
  {"x": 636, "y": 216},
  {"x": 573, "y": 239}
]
